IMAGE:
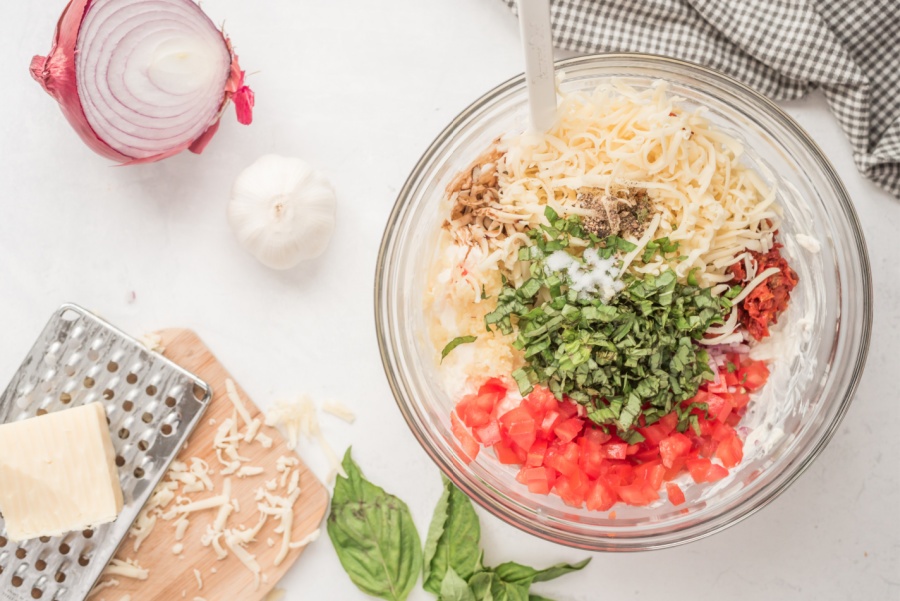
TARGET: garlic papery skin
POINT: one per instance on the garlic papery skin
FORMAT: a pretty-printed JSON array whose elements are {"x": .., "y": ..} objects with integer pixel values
[{"x": 282, "y": 211}]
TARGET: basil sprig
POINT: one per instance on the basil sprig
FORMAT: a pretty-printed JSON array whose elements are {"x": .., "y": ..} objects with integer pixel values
[{"x": 378, "y": 546}]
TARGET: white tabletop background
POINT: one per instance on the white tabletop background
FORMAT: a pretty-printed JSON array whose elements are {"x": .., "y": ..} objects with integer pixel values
[{"x": 359, "y": 89}]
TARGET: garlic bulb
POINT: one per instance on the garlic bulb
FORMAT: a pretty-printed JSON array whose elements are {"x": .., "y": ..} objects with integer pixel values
[{"x": 282, "y": 211}]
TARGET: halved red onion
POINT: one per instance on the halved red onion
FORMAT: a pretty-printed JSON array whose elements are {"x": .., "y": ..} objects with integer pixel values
[{"x": 141, "y": 80}]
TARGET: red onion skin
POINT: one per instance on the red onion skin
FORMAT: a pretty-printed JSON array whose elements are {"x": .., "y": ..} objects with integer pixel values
[{"x": 56, "y": 74}]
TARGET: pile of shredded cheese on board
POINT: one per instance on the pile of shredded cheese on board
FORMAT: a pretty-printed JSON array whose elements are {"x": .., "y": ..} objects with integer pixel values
[{"x": 187, "y": 488}]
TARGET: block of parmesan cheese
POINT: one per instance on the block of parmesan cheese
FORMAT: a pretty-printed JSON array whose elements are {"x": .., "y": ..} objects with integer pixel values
[{"x": 58, "y": 473}]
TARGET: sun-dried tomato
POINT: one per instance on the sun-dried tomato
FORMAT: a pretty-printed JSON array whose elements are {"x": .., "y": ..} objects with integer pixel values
[{"x": 768, "y": 300}]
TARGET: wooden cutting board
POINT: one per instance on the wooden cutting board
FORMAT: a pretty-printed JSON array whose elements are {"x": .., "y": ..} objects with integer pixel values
[{"x": 172, "y": 576}]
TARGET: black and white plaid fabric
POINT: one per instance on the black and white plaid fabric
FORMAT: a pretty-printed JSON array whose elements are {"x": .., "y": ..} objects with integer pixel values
[{"x": 783, "y": 48}]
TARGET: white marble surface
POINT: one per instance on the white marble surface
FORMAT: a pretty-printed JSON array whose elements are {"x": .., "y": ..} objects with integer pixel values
[{"x": 359, "y": 88}]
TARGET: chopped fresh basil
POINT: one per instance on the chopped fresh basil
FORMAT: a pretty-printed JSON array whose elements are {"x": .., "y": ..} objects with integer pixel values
[
  {"x": 634, "y": 355},
  {"x": 455, "y": 343}
]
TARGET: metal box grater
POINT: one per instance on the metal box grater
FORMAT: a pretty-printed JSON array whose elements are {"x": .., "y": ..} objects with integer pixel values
[{"x": 152, "y": 407}]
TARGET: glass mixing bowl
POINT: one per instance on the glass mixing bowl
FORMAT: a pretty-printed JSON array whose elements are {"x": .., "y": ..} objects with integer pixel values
[{"x": 809, "y": 390}]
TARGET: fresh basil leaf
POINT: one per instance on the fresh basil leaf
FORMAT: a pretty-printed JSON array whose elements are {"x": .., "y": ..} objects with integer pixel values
[
  {"x": 516, "y": 573},
  {"x": 454, "y": 588},
  {"x": 480, "y": 585},
  {"x": 374, "y": 536},
  {"x": 455, "y": 343},
  {"x": 435, "y": 531},
  {"x": 453, "y": 539},
  {"x": 560, "y": 569}
]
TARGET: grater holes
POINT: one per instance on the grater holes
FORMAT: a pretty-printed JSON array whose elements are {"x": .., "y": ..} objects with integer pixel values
[
  {"x": 83, "y": 560},
  {"x": 16, "y": 581},
  {"x": 143, "y": 445},
  {"x": 120, "y": 461},
  {"x": 40, "y": 565},
  {"x": 199, "y": 392},
  {"x": 65, "y": 398},
  {"x": 3, "y": 541},
  {"x": 69, "y": 370},
  {"x": 40, "y": 412},
  {"x": 89, "y": 382},
  {"x": 21, "y": 553},
  {"x": 138, "y": 472},
  {"x": 60, "y": 576},
  {"x": 64, "y": 548},
  {"x": 93, "y": 355},
  {"x": 112, "y": 367},
  {"x": 151, "y": 390},
  {"x": 128, "y": 405},
  {"x": 108, "y": 394},
  {"x": 131, "y": 378},
  {"x": 36, "y": 593},
  {"x": 44, "y": 539},
  {"x": 165, "y": 430},
  {"x": 124, "y": 433},
  {"x": 171, "y": 402},
  {"x": 147, "y": 417},
  {"x": 70, "y": 315},
  {"x": 87, "y": 533}
]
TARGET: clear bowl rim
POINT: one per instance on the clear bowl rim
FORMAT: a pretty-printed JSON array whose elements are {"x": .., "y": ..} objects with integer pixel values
[{"x": 744, "y": 509}]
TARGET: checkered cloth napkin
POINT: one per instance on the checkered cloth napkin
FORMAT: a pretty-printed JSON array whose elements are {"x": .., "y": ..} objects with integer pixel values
[{"x": 782, "y": 48}]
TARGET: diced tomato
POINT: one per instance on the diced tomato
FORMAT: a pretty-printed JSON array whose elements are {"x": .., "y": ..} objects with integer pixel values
[
  {"x": 720, "y": 405},
  {"x": 505, "y": 454},
  {"x": 616, "y": 450},
  {"x": 640, "y": 492},
  {"x": 494, "y": 386},
  {"x": 568, "y": 409},
  {"x": 717, "y": 387},
  {"x": 699, "y": 469},
  {"x": 538, "y": 479},
  {"x": 647, "y": 454},
  {"x": 519, "y": 426},
  {"x": 560, "y": 463},
  {"x": 654, "y": 433},
  {"x": 730, "y": 377},
  {"x": 600, "y": 496},
  {"x": 753, "y": 375},
  {"x": 669, "y": 421},
  {"x": 621, "y": 474},
  {"x": 721, "y": 432},
  {"x": 734, "y": 419},
  {"x": 489, "y": 434},
  {"x": 740, "y": 398},
  {"x": 676, "y": 469},
  {"x": 469, "y": 445},
  {"x": 716, "y": 472},
  {"x": 730, "y": 451},
  {"x": 652, "y": 472},
  {"x": 536, "y": 453},
  {"x": 596, "y": 435},
  {"x": 567, "y": 430},
  {"x": 676, "y": 496},
  {"x": 475, "y": 409},
  {"x": 551, "y": 419},
  {"x": 591, "y": 462},
  {"x": 559, "y": 450},
  {"x": 540, "y": 401},
  {"x": 672, "y": 447},
  {"x": 704, "y": 470},
  {"x": 572, "y": 488}
]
